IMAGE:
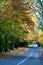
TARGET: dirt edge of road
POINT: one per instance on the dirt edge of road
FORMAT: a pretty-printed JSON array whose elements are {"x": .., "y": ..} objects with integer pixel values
[{"x": 14, "y": 52}]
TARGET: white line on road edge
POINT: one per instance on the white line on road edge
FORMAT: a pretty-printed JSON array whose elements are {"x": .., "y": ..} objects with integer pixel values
[{"x": 25, "y": 59}]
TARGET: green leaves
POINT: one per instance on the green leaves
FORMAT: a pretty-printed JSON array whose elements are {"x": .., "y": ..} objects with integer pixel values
[{"x": 40, "y": 26}]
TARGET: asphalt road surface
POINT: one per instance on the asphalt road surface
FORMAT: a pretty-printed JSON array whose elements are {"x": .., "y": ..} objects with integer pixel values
[{"x": 31, "y": 57}]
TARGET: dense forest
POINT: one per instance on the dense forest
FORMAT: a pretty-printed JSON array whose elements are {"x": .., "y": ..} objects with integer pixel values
[{"x": 21, "y": 23}]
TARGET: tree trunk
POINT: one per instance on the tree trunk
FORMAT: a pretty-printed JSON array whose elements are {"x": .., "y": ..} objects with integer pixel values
[{"x": 6, "y": 43}]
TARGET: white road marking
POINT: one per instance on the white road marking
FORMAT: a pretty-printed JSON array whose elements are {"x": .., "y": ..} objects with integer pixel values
[{"x": 25, "y": 59}]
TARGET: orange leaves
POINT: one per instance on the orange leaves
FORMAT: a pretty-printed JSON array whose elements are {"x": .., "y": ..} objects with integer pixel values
[
  {"x": 18, "y": 7},
  {"x": 30, "y": 22},
  {"x": 18, "y": 1},
  {"x": 7, "y": 14}
]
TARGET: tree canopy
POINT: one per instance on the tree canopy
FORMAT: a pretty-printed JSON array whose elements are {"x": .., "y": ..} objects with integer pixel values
[{"x": 20, "y": 20}]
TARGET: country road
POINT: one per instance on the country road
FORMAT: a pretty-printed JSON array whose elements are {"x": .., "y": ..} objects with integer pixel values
[{"x": 30, "y": 57}]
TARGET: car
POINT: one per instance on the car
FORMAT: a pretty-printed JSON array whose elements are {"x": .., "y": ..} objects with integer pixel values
[{"x": 34, "y": 45}]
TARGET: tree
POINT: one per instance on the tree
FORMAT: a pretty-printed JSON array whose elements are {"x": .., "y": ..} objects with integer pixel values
[
  {"x": 12, "y": 20},
  {"x": 40, "y": 36}
]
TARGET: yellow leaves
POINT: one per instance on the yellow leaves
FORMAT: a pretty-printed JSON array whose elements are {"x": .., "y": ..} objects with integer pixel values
[
  {"x": 30, "y": 36},
  {"x": 40, "y": 33},
  {"x": 34, "y": 18},
  {"x": 40, "y": 40},
  {"x": 28, "y": 11},
  {"x": 40, "y": 36}
]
